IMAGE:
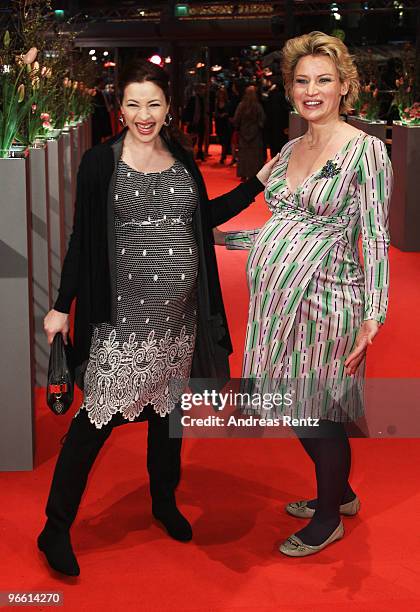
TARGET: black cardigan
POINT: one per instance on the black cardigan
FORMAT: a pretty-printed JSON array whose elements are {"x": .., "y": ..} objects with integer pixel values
[{"x": 89, "y": 268}]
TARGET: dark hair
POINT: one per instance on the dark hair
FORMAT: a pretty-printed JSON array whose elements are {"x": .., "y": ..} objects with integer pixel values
[{"x": 142, "y": 70}]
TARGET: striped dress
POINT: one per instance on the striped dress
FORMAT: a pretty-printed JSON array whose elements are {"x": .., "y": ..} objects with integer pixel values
[{"x": 308, "y": 290}]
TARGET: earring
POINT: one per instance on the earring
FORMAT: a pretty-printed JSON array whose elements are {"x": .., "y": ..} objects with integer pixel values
[
  {"x": 168, "y": 120},
  {"x": 122, "y": 121}
]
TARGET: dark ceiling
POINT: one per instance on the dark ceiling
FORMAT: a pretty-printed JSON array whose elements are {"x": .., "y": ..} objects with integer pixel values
[{"x": 219, "y": 22}]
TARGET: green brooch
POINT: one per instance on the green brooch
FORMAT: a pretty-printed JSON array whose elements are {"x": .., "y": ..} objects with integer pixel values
[{"x": 328, "y": 171}]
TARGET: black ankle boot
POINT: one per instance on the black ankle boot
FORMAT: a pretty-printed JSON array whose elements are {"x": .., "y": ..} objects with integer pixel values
[
  {"x": 175, "y": 523},
  {"x": 56, "y": 546}
]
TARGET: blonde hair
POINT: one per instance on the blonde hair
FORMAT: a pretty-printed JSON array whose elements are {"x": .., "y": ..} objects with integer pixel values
[{"x": 318, "y": 43}]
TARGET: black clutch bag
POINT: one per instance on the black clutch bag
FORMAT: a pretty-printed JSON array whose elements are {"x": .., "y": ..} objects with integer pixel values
[{"x": 60, "y": 383}]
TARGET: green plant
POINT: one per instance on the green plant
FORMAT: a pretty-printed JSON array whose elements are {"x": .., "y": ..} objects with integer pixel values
[
  {"x": 367, "y": 105},
  {"x": 411, "y": 114},
  {"x": 36, "y": 96},
  {"x": 15, "y": 99},
  {"x": 408, "y": 109},
  {"x": 404, "y": 97}
]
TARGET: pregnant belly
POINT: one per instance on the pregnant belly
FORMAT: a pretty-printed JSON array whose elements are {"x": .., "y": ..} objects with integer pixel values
[
  {"x": 288, "y": 252},
  {"x": 163, "y": 263}
]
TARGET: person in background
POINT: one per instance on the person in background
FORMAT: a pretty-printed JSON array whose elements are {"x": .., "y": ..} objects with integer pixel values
[
  {"x": 212, "y": 91},
  {"x": 249, "y": 120},
  {"x": 277, "y": 115},
  {"x": 234, "y": 99},
  {"x": 223, "y": 125},
  {"x": 101, "y": 121},
  {"x": 195, "y": 118}
]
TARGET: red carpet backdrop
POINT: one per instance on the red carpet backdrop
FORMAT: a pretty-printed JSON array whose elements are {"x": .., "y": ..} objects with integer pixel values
[
  {"x": 220, "y": 74},
  {"x": 234, "y": 492}
]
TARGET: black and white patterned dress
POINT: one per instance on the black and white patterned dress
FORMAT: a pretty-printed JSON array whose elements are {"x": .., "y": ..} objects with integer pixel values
[{"x": 131, "y": 365}]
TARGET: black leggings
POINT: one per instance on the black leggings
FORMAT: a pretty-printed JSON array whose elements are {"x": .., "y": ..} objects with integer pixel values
[
  {"x": 81, "y": 446},
  {"x": 329, "y": 448}
]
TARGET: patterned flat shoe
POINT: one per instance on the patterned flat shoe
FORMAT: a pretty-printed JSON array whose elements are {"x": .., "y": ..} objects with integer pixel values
[
  {"x": 294, "y": 547},
  {"x": 301, "y": 510}
]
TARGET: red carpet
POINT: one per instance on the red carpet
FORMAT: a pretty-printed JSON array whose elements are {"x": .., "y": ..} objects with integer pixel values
[{"x": 234, "y": 492}]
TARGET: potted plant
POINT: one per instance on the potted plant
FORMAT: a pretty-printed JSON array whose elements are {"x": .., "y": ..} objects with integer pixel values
[
  {"x": 366, "y": 110},
  {"x": 15, "y": 100},
  {"x": 405, "y": 211},
  {"x": 408, "y": 109},
  {"x": 367, "y": 107},
  {"x": 16, "y": 310}
]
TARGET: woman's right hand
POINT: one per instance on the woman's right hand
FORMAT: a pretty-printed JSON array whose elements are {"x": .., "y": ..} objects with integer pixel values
[
  {"x": 56, "y": 322},
  {"x": 219, "y": 236}
]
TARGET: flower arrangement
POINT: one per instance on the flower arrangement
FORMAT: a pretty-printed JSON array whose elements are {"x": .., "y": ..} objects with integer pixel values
[
  {"x": 73, "y": 99},
  {"x": 83, "y": 100},
  {"x": 411, "y": 115},
  {"x": 408, "y": 109},
  {"x": 404, "y": 98},
  {"x": 84, "y": 92},
  {"x": 367, "y": 106},
  {"x": 15, "y": 103},
  {"x": 37, "y": 121},
  {"x": 45, "y": 88}
]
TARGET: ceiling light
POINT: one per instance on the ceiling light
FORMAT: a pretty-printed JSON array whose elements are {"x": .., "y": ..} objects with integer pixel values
[
  {"x": 155, "y": 59},
  {"x": 181, "y": 10}
]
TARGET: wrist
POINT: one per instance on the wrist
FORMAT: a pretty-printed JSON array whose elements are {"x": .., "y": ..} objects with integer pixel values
[{"x": 61, "y": 313}]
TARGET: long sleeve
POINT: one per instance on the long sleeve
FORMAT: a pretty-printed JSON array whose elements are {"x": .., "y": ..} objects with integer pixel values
[
  {"x": 225, "y": 207},
  {"x": 70, "y": 270},
  {"x": 374, "y": 189},
  {"x": 230, "y": 204},
  {"x": 241, "y": 240}
]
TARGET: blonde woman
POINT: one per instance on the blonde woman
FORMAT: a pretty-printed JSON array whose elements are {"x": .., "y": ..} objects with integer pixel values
[{"x": 313, "y": 309}]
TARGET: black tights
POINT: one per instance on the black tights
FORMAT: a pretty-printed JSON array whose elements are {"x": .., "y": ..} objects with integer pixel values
[
  {"x": 83, "y": 443},
  {"x": 328, "y": 447}
]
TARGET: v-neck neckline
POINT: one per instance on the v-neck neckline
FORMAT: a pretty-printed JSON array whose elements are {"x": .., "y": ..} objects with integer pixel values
[{"x": 300, "y": 186}]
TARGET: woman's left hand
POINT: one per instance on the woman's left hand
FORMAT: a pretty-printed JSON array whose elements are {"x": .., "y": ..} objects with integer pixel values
[
  {"x": 264, "y": 174},
  {"x": 365, "y": 336}
]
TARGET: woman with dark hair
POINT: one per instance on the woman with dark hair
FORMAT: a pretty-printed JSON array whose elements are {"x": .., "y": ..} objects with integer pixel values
[
  {"x": 249, "y": 121},
  {"x": 149, "y": 309}
]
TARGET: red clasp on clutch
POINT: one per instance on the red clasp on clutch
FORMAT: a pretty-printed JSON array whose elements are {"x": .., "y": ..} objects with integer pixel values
[{"x": 58, "y": 388}]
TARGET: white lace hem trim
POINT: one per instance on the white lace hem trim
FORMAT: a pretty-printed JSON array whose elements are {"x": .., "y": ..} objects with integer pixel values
[{"x": 126, "y": 379}]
